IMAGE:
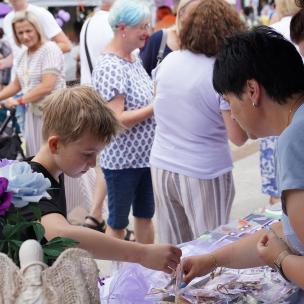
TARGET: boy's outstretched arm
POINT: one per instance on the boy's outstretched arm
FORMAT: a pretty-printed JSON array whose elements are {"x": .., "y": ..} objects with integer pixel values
[
  {"x": 158, "y": 257},
  {"x": 240, "y": 254}
]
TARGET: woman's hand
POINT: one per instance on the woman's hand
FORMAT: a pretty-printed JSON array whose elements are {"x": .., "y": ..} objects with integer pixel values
[
  {"x": 196, "y": 266},
  {"x": 269, "y": 247},
  {"x": 161, "y": 257},
  {"x": 129, "y": 118},
  {"x": 10, "y": 103}
]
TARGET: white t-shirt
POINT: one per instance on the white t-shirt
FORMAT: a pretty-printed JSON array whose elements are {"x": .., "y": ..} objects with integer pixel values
[
  {"x": 283, "y": 27},
  {"x": 190, "y": 135},
  {"x": 46, "y": 20},
  {"x": 99, "y": 35}
]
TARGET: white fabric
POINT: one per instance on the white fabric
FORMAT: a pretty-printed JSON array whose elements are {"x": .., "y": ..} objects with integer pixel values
[
  {"x": 32, "y": 133},
  {"x": 283, "y": 27},
  {"x": 46, "y": 20},
  {"x": 99, "y": 35},
  {"x": 48, "y": 59},
  {"x": 190, "y": 135}
]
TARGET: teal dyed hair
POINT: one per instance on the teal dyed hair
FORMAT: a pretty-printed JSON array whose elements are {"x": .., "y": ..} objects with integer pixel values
[{"x": 128, "y": 12}]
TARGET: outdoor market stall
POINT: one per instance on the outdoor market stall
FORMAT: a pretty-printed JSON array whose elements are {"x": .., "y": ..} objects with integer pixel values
[{"x": 132, "y": 283}]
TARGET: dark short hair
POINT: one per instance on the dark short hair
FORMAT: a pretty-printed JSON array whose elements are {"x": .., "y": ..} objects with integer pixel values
[
  {"x": 206, "y": 27},
  {"x": 261, "y": 54},
  {"x": 297, "y": 27}
]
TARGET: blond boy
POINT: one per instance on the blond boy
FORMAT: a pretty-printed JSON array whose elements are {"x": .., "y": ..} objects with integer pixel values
[{"x": 77, "y": 125}]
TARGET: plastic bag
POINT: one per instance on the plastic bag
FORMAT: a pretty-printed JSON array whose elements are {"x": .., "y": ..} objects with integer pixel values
[{"x": 131, "y": 283}]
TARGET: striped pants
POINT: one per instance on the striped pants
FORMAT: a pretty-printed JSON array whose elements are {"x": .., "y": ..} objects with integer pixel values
[{"x": 187, "y": 207}]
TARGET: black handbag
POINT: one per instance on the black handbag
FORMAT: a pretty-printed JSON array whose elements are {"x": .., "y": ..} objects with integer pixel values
[{"x": 10, "y": 142}]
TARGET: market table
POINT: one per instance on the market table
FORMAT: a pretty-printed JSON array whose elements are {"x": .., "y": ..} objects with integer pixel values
[{"x": 134, "y": 284}]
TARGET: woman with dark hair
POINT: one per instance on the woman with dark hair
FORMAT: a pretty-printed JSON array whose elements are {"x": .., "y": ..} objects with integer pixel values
[
  {"x": 285, "y": 9},
  {"x": 251, "y": 71},
  {"x": 297, "y": 27},
  {"x": 190, "y": 158}
]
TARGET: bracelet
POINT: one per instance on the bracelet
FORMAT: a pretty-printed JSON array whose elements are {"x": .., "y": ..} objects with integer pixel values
[
  {"x": 215, "y": 265},
  {"x": 282, "y": 255},
  {"x": 20, "y": 101}
]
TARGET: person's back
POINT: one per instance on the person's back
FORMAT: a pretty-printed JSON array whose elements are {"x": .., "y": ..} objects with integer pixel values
[
  {"x": 96, "y": 33},
  {"x": 191, "y": 137}
]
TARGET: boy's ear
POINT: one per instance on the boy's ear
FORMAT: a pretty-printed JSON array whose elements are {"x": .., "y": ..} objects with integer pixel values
[{"x": 53, "y": 143}]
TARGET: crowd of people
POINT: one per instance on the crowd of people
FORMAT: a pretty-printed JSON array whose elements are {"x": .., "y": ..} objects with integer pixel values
[{"x": 149, "y": 127}]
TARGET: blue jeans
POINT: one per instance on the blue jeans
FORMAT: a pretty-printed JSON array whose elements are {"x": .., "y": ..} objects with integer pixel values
[
  {"x": 126, "y": 188},
  {"x": 20, "y": 115}
]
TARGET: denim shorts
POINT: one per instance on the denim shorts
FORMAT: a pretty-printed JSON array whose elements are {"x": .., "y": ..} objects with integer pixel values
[{"x": 126, "y": 188}]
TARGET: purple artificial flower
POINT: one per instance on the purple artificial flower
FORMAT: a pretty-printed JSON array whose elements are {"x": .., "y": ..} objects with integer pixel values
[
  {"x": 5, "y": 162},
  {"x": 5, "y": 197}
]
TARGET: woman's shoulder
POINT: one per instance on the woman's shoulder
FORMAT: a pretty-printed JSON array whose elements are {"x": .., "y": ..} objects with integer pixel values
[
  {"x": 50, "y": 46},
  {"x": 109, "y": 61},
  {"x": 188, "y": 57}
]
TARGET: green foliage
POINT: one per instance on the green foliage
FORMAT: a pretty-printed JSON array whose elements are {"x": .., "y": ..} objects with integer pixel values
[{"x": 13, "y": 228}]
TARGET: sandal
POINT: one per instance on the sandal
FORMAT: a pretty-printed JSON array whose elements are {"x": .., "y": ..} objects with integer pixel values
[
  {"x": 99, "y": 226},
  {"x": 130, "y": 235}
]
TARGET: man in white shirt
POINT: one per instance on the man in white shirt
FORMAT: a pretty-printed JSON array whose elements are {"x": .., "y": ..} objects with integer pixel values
[
  {"x": 48, "y": 23},
  {"x": 98, "y": 35}
]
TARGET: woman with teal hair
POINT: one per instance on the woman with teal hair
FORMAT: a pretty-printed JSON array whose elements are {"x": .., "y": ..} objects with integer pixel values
[
  {"x": 130, "y": 13},
  {"x": 121, "y": 80}
]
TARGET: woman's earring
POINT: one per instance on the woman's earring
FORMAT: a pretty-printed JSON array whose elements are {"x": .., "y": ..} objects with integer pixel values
[
  {"x": 254, "y": 105},
  {"x": 123, "y": 35}
]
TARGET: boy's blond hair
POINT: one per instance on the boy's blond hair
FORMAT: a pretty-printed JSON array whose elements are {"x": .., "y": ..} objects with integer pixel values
[{"x": 70, "y": 112}]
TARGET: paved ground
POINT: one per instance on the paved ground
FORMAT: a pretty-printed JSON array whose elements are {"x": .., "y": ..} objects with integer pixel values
[{"x": 247, "y": 180}]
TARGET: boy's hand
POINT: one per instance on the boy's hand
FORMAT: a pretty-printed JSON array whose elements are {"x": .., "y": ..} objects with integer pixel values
[
  {"x": 269, "y": 247},
  {"x": 161, "y": 257},
  {"x": 196, "y": 266}
]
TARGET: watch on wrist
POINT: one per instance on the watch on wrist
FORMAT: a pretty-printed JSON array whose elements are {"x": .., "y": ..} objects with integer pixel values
[{"x": 278, "y": 263}]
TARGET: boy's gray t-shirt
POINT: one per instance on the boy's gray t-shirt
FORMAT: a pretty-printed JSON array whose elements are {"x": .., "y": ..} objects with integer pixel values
[{"x": 290, "y": 169}]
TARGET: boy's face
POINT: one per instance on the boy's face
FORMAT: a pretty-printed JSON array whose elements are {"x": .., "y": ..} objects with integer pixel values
[{"x": 75, "y": 158}]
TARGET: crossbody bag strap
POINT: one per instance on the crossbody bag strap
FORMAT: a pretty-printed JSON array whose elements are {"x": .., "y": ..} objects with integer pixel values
[
  {"x": 87, "y": 49},
  {"x": 160, "y": 55}
]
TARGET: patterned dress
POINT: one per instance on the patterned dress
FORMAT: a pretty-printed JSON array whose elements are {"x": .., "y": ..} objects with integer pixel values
[
  {"x": 267, "y": 165},
  {"x": 128, "y": 154}
]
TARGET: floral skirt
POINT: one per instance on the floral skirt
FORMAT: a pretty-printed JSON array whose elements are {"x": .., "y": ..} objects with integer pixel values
[{"x": 267, "y": 165}]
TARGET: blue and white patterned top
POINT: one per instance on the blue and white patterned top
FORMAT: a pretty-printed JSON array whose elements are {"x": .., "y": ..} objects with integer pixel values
[
  {"x": 115, "y": 76},
  {"x": 290, "y": 168}
]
